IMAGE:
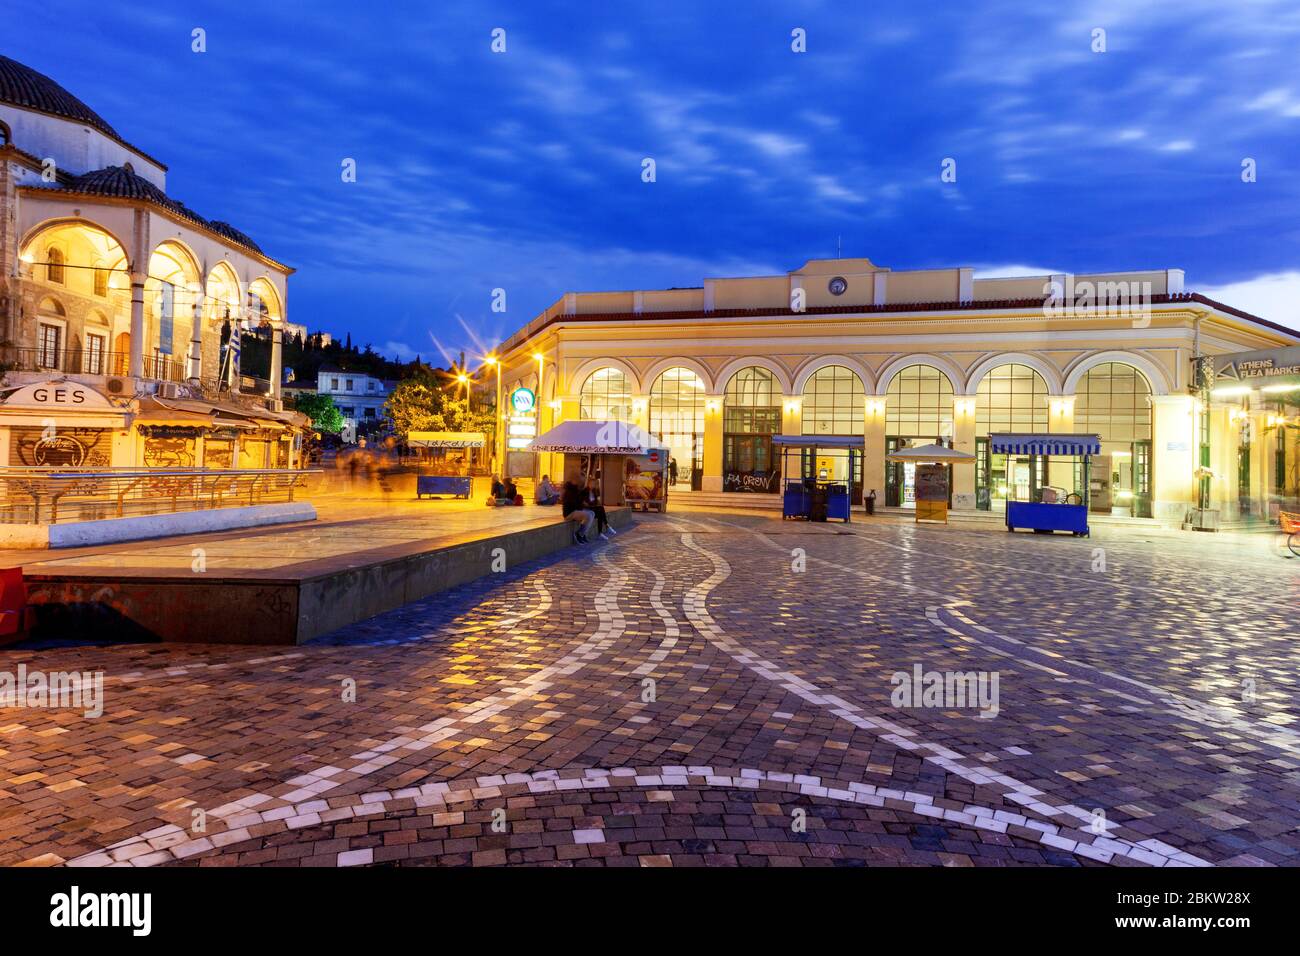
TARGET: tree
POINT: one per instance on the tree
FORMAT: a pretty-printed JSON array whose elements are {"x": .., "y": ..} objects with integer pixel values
[
  {"x": 322, "y": 411},
  {"x": 424, "y": 403}
]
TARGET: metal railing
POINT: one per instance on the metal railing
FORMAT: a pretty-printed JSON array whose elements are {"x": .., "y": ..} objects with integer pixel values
[
  {"x": 85, "y": 361},
  {"x": 33, "y": 495}
]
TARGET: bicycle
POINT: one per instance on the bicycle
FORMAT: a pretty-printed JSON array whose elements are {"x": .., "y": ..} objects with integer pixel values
[{"x": 1290, "y": 523}]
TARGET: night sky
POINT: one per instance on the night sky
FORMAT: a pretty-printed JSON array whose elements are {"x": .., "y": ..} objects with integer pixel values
[{"x": 522, "y": 170}]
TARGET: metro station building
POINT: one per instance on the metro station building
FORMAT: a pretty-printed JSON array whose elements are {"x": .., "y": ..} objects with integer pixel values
[
  {"x": 113, "y": 298},
  {"x": 847, "y": 347}
]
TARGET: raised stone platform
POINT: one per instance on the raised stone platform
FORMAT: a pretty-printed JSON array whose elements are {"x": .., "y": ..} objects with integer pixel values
[{"x": 283, "y": 585}]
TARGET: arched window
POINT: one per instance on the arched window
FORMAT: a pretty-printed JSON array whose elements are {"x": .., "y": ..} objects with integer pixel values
[
  {"x": 677, "y": 417},
  {"x": 606, "y": 394},
  {"x": 834, "y": 402},
  {"x": 751, "y": 415},
  {"x": 1113, "y": 400},
  {"x": 918, "y": 404},
  {"x": 54, "y": 265},
  {"x": 4, "y": 135},
  {"x": 1011, "y": 398},
  {"x": 918, "y": 410}
]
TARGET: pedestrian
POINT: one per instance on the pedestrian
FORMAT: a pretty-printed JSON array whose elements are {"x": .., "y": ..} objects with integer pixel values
[
  {"x": 672, "y": 470},
  {"x": 571, "y": 504},
  {"x": 592, "y": 501},
  {"x": 547, "y": 493}
]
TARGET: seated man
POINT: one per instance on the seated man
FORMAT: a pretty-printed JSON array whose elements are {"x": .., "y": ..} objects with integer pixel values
[
  {"x": 511, "y": 494},
  {"x": 572, "y": 506},
  {"x": 546, "y": 492}
]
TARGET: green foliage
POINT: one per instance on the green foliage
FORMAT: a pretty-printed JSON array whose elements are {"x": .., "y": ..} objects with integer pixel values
[
  {"x": 425, "y": 402},
  {"x": 322, "y": 411}
]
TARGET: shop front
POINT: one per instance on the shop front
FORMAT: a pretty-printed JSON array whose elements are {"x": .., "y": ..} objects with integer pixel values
[{"x": 751, "y": 412}]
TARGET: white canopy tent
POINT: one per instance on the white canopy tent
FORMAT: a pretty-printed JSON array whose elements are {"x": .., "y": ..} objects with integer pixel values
[
  {"x": 596, "y": 437},
  {"x": 931, "y": 454}
]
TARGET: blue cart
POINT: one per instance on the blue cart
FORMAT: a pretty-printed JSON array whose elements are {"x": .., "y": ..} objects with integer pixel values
[
  {"x": 456, "y": 486},
  {"x": 1047, "y": 516},
  {"x": 810, "y": 494}
]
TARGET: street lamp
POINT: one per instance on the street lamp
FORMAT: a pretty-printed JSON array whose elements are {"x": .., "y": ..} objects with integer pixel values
[{"x": 499, "y": 438}]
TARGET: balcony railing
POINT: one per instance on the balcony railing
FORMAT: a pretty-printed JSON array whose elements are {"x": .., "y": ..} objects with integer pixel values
[
  {"x": 31, "y": 495},
  {"x": 89, "y": 362}
]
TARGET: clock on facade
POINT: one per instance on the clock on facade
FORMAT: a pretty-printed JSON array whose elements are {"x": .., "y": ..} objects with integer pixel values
[{"x": 838, "y": 285}]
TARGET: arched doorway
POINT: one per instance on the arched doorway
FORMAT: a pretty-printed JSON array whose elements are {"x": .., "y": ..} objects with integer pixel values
[
  {"x": 834, "y": 403},
  {"x": 918, "y": 410},
  {"x": 1010, "y": 398},
  {"x": 677, "y": 419},
  {"x": 1114, "y": 401},
  {"x": 751, "y": 415}
]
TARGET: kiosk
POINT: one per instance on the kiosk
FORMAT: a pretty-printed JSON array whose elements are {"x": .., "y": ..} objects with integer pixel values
[
  {"x": 445, "y": 461},
  {"x": 820, "y": 474},
  {"x": 628, "y": 463},
  {"x": 1055, "y": 509},
  {"x": 933, "y": 486}
]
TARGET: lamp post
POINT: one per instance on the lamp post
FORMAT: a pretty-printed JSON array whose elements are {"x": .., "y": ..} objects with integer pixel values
[{"x": 498, "y": 440}]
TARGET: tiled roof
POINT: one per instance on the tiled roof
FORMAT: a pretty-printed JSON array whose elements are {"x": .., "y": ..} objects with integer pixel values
[
  {"x": 122, "y": 183},
  {"x": 22, "y": 86},
  {"x": 230, "y": 232},
  {"x": 535, "y": 327}
]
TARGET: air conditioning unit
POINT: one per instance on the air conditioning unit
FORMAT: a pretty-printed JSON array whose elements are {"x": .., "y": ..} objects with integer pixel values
[
  {"x": 118, "y": 386},
  {"x": 169, "y": 390}
]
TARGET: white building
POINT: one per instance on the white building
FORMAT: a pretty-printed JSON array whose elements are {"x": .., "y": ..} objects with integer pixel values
[
  {"x": 112, "y": 285},
  {"x": 360, "y": 397}
]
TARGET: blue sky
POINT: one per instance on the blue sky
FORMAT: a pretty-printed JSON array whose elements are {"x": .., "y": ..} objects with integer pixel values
[{"x": 522, "y": 170}]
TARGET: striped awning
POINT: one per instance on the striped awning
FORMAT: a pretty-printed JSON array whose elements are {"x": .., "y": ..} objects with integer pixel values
[{"x": 1044, "y": 444}]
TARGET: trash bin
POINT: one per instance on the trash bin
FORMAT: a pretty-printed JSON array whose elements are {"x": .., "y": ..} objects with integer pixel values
[
  {"x": 818, "y": 501},
  {"x": 870, "y": 502}
]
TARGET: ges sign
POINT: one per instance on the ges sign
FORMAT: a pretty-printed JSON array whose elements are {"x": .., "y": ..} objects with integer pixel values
[{"x": 58, "y": 395}]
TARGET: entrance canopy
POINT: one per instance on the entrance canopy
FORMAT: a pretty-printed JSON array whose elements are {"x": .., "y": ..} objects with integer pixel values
[
  {"x": 597, "y": 437},
  {"x": 1044, "y": 443},
  {"x": 446, "y": 440},
  {"x": 931, "y": 454},
  {"x": 822, "y": 441}
]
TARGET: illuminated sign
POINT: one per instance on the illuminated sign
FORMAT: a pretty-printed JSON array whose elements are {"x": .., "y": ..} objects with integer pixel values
[{"x": 523, "y": 400}]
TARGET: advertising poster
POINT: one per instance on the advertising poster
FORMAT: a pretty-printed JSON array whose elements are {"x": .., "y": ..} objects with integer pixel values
[
  {"x": 932, "y": 483},
  {"x": 643, "y": 477}
]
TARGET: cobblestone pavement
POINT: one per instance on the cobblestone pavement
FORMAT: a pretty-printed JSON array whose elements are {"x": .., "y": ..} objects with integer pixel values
[{"x": 710, "y": 688}]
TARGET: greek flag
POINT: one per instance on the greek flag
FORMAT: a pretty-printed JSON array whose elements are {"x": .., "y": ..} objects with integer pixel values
[{"x": 232, "y": 356}]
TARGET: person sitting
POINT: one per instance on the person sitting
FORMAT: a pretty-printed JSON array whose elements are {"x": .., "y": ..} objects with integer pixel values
[
  {"x": 591, "y": 498},
  {"x": 497, "y": 493},
  {"x": 571, "y": 503},
  {"x": 511, "y": 494},
  {"x": 546, "y": 492}
]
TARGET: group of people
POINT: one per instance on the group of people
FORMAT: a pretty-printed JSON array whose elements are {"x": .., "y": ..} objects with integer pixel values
[
  {"x": 579, "y": 503},
  {"x": 504, "y": 492}
]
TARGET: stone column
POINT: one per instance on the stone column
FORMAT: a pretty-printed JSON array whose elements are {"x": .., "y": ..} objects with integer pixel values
[
  {"x": 196, "y": 342},
  {"x": 791, "y": 415},
  {"x": 712, "y": 444},
  {"x": 277, "y": 359},
  {"x": 136, "y": 368},
  {"x": 873, "y": 450},
  {"x": 1174, "y": 447},
  {"x": 963, "y": 433}
]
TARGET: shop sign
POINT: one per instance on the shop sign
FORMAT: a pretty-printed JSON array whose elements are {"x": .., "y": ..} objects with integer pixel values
[
  {"x": 523, "y": 400},
  {"x": 1254, "y": 367},
  {"x": 58, "y": 395}
]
